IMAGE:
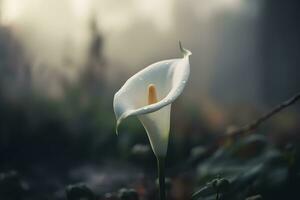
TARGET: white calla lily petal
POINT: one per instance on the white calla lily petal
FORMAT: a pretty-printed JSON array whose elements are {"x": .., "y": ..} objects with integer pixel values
[
  {"x": 169, "y": 78},
  {"x": 157, "y": 125}
]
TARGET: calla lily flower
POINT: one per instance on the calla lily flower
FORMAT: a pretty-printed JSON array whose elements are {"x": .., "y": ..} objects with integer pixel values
[{"x": 149, "y": 94}]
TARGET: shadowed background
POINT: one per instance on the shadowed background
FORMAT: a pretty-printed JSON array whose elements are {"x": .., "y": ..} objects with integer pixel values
[{"x": 62, "y": 61}]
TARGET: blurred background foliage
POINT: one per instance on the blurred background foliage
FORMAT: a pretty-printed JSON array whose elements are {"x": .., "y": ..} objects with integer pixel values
[{"x": 62, "y": 61}]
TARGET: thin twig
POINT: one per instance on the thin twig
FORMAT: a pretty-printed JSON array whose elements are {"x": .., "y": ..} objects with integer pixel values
[
  {"x": 245, "y": 129},
  {"x": 255, "y": 124}
]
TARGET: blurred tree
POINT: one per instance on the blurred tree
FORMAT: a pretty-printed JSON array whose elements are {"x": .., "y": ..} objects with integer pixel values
[
  {"x": 15, "y": 75},
  {"x": 280, "y": 43},
  {"x": 93, "y": 75}
]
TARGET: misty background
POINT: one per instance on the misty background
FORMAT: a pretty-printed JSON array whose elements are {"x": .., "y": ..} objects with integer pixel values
[
  {"x": 232, "y": 42},
  {"x": 61, "y": 61}
]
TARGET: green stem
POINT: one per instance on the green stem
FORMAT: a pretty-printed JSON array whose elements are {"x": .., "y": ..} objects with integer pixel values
[{"x": 161, "y": 177}]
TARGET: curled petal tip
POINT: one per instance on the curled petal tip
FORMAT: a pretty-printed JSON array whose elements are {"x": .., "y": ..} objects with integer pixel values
[
  {"x": 120, "y": 119},
  {"x": 184, "y": 51},
  {"x": 117, "y": 128},
  {"x": 117, "y": 131}
]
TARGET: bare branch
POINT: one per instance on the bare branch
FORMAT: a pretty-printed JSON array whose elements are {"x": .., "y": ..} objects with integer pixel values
[{"x": 255, "y": 124}]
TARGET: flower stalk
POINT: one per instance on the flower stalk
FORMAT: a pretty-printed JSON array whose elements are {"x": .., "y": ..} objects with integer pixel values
[{"x": 161, "y": 177}]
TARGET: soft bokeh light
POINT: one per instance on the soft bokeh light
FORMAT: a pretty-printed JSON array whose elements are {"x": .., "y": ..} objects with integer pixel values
[{"x": 224, "y": 34}]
